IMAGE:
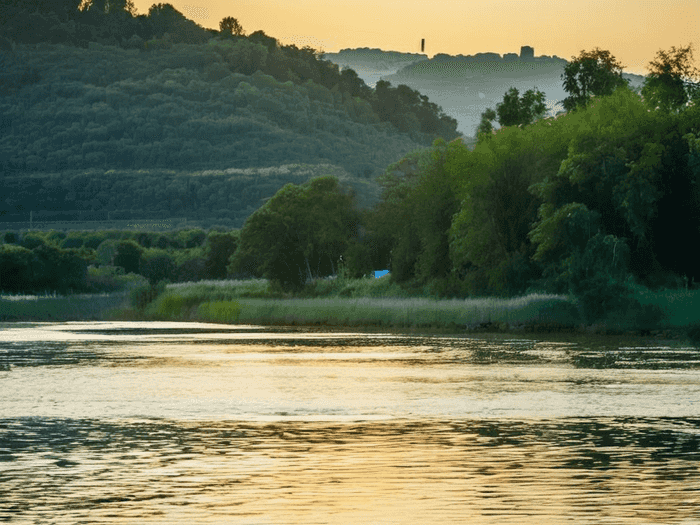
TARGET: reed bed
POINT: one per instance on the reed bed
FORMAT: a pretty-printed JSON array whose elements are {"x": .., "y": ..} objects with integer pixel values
[
  {"x": 681, "y": 308},
  {"x": 229, "y": 304},
  {"x": 412, "y": 312},
  {"x": 54, "y": 307}
]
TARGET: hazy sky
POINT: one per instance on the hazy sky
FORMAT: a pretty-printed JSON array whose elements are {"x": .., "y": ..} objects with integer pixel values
[{"x": 632, "y": 30}]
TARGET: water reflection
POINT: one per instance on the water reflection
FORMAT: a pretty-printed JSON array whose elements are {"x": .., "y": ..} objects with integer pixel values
[
  {"x": 199, "y": 423},
  {"x": 627, "y": 470}
]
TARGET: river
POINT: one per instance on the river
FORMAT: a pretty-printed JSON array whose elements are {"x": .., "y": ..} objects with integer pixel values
[{"x": 182, "y": 423}]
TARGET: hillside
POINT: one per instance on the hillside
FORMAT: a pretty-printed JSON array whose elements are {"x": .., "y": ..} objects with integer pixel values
[
  {"x": 464, "y": 85},
  {"x": 179, "y": 109},
  {"x": 371, "y": 63}
]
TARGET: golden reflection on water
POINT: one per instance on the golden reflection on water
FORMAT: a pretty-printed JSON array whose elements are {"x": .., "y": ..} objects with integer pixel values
[
  {"x": 400, "y": 472},
  {"x": 167, "y": 423}
]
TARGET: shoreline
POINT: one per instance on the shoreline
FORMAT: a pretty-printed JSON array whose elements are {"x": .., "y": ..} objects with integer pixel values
[{"x": 276, "y": 313}]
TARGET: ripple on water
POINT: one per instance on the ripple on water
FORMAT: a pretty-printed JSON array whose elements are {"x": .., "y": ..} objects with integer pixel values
[{"x": 627, "y": 470}]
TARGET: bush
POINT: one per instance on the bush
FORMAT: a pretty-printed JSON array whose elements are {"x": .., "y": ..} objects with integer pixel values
[
  {"x": 11, "y": 238},
  {"x": 143, "y": 295},
  {"x": 128, "y": 256},
  {"x": 32, "y": 240},
  {"x": 157, "y": 265}
]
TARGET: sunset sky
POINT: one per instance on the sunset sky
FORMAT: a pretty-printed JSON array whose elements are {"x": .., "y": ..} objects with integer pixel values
[{"x": 632, "y": 30}]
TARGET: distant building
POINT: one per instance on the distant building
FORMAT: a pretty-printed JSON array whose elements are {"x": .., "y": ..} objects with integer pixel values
[
  {"x": 510, "y": 56},
  {"x": 527, "y": 53}
]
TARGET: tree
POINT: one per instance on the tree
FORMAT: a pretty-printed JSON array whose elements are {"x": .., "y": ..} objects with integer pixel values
[
  {"x": 592, "y": 73},
  {"x": 157, "y": 265},
  {"x": 219, "y": 248},
  {"x": 300, "y": 233},
  {"x": 230, "y": 26},
  {"x": 128, "y": 256},
  {"x": 673, "y": 80},
  {"x": 485, "y": 128},
  {"x": 514, "y": 110}
]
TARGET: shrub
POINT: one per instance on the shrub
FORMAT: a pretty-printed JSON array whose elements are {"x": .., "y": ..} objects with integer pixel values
[
  {"x": 157, "y": 265},
  {"x": 143, "y": 295},
  {"x": 128, "y": 256}
]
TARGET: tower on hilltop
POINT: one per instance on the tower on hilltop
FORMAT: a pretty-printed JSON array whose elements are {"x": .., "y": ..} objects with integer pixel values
[{"x": 527, "y": 53}]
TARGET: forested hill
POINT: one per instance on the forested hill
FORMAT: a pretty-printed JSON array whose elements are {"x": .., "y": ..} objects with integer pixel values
[
  {"x": 104, "y": 89},
  {"x": 181, "y": 108}
]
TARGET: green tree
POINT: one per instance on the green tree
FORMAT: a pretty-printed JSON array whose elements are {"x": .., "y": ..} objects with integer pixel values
[
  {"x": 673, "y": 80},
  {"x": 15, "y": 272},
  {"x": 157, "y": 265},
  {"x": 513, "y": 111},
  {"x": 218, "y": 249},
  {"x": 592, "y": 73},
  {"x": 128, "y": 256},
  {"x": 300, "y": 233},
  {"x": 521, "y": 111},
  {"x": 485, "y": 128},
  {"x": 230, "y": 26}
]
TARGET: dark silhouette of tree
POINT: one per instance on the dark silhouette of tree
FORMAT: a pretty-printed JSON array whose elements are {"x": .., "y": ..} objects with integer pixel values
[
  {"x": 230, "y": 26},
  {"x": 673, "y": 80},
  {"x": 592, "y": 73},
  {"x": 128, "y": 256}
]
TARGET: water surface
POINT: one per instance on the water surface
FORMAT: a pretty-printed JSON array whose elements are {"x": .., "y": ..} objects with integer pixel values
[{"x": 202, "y": 423}]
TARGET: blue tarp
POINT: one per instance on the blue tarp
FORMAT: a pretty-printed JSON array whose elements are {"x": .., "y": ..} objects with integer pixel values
[{"x": 380, "y": 273}]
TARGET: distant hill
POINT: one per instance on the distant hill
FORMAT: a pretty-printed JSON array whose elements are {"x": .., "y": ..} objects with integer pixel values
[
  {"x": 116, "y": 113},
  {"x": 104, "y": 111},
  {"x": 371, "y": 63},
  {"x": 465, "y": 85}
]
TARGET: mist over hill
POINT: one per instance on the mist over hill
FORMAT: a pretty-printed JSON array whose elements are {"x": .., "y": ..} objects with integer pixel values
[
  {"x": 464, "y": 86},
  {"x": 372, "y": 63}
]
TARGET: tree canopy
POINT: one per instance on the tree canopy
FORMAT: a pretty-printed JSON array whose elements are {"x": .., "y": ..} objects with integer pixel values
[
  {"x": 673, "y": 79},
  {"x": 592, "y": 73},
  {"x": 514, "y": 110},
  {"x": 230, "y": 26},
  {"x": 298, "y": 234}
]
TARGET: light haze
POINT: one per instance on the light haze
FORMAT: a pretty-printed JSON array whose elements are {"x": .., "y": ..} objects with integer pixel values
[{"x": 631, "y": 30}]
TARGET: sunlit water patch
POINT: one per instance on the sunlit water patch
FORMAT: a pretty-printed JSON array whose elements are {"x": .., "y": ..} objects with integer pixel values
[{"x": 200, "y": 423}]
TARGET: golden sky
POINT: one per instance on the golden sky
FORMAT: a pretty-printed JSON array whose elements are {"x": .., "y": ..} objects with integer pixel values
[{"x": 632, "y": 30}]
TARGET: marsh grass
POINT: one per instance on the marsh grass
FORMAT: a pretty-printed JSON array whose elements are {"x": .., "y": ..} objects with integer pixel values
[
  {"x": 681, "y": 308},
  {"x": 54, "y": 307},
  {"x": 219, "y": 311},
  {"x": 412, "y": 312},
  {"x": 255, "y": 302}
]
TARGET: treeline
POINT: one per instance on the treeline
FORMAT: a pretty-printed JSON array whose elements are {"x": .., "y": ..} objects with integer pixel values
[
  {"x": 224, "y": 197},
  {"x": 593, "y": 203},
  {"x": 92, "y": 261}
]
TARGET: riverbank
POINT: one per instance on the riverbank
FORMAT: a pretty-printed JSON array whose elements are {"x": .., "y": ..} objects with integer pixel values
[
  {"x": 79, "y": 307},
  {"x": 369, "y": 304}
]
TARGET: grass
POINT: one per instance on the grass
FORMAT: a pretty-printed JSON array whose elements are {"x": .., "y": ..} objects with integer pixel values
[
  {"x": 254, "y": 302},
  {"x": 60, "y": 308},
  {"x": 411, "y": 312},
  {"x": 359, "y": 303}
]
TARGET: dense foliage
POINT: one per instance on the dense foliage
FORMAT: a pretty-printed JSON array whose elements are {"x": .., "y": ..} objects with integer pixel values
[
  {"x": 208, "y": 197},
  {"x": 299, "y": 234},
  {"x": 84, "y": 261},
  {"x": 592, "y": 73},
  {"x": 514, "y": 110},
  {"x": 102, "y": 89}
]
